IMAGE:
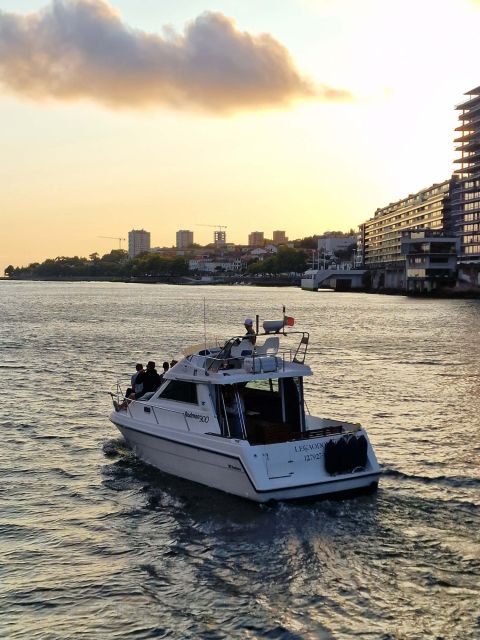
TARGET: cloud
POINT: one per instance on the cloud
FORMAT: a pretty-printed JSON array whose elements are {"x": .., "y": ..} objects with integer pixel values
[{"x": 81, "y": 49}]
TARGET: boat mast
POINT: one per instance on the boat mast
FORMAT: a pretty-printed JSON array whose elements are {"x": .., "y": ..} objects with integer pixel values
[{"x": 205, "y": 324}]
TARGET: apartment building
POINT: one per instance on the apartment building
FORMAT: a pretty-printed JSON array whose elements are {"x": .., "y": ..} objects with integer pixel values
[
  {"x": 138, "y": 242},
  {"x": 382, "y": 234},
  {"x": 213, "y": 266},
  {"x": 431, "y": 260},
  {"x": 279, "y": 237},
  {"x": 332, "y": 244},
  {"x": 256, "y": 239},
  {"x": 184, "y": 239}
]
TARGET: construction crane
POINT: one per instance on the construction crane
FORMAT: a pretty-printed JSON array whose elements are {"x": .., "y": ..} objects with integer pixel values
[
  {"x": 120, "y": 240},
  {"x": 219, "y": 236},
  {"x": 217, "y": 226}
]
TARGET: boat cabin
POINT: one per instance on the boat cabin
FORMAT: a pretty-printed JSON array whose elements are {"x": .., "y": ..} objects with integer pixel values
[
  {"x": 240, "y": 390},
  {"x": 261, "y": 410}
]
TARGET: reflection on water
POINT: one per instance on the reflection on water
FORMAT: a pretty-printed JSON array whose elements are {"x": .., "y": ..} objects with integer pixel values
[{"x": 98, "y": 545}]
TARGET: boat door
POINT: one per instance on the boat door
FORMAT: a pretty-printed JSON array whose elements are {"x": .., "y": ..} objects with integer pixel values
[
  {"x": 292, "y": 403},
  {"x": 279, "y": 460}
]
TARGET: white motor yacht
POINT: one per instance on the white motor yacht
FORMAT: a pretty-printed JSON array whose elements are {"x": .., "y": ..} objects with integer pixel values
[{"x": 233, "y": 417}]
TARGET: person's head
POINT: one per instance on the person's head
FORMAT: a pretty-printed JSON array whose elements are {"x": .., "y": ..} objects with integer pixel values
[
  {"x": 138, "y": 367},
  {"x": 166, "y": 366},
  {"x": 248, "y": 323},
  {"x": 173, "y": 363},
  {"x": 150, "y": 365}
]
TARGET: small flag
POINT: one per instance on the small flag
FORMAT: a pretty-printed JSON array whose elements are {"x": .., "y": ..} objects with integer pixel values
[{"x": 289, "y": 321}]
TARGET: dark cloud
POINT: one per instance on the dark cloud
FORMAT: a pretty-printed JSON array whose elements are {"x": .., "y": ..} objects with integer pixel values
[{"x": 77, "y": 49}]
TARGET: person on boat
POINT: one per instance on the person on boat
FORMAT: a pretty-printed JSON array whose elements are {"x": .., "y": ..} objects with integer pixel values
[
  {"x": 250, "y": 335},
  {"x": 136, "y": 388},
  {"x": 165, "y": 367},
  {"x": 225, "y": 358},
  {"x": 149, "y": 378}
]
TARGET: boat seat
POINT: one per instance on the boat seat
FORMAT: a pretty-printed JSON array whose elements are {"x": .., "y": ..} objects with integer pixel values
[
  {"x": 269, "y": 347},
  {"x": 245, "y": 348}
]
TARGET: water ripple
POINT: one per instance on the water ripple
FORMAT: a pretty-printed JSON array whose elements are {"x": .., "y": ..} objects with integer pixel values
[{"x": 96, "y": 544}]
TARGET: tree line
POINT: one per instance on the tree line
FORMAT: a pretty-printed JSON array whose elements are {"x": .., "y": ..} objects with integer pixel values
[
  {"x": 113, "y": 264},
  {"x": 287, "y": 260},
  {"x": 117, "y": 264}
]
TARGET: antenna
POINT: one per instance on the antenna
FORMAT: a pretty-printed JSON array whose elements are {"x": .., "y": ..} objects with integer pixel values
[{"x": 205, "y": 324}]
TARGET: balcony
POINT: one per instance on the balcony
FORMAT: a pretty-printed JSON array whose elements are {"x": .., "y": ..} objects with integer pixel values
[
  {"x": 474, "y": 101},
  {"x": 471, "y": 145},
  {"x": 470, "y": 160},
  {"x": 466, "y": 127},
  {"x": 466, "y": 137},
  {"x": 470, "y": 169}
]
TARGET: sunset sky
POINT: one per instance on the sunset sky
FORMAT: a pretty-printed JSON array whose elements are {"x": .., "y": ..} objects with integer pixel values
[{"x": 302, "y": 115}]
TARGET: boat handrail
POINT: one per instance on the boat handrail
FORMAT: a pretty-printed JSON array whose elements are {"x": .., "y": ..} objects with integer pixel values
[
  {"x": 224, "y": 356},
  {"x": 224, "y": 362}
]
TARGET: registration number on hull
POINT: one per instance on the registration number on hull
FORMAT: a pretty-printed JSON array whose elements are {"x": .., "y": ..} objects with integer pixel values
[{"x": 311, "y": 451}]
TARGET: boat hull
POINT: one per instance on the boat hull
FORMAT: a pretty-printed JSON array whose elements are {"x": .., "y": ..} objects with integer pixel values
[{"x": 233, "y": 466}]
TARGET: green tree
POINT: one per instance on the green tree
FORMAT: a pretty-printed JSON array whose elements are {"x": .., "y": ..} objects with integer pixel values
[
  {"x": 151, "y": 264},
  {"x": 178, "y": 267},
  {"x": 270, "y": 265},
  {"x": 310, "y": 242},
  {"x": 116, "y": 256},
  {"x": 254, "y": 267},
  {"x": 291, "y": 260}
]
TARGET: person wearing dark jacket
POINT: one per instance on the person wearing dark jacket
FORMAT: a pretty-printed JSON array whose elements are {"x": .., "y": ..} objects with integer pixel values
[{"x": 149, "y": 378}]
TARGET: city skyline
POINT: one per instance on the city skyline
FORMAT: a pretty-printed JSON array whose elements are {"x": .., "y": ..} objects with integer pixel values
[{"x": 359, "y": 111}]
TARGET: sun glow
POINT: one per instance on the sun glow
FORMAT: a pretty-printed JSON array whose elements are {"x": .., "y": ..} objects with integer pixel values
[{"x": 72, "y": 171}]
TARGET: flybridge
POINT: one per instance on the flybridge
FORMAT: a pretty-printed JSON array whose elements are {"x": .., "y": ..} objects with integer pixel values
[
  {"x": 246, "y": 355},
  {"x": 241, "y": 352}
]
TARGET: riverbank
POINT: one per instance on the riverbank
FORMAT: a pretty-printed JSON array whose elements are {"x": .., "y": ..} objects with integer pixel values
[
  {"x": 270, "y": 281},
  {"x": 257, "y": 281}
]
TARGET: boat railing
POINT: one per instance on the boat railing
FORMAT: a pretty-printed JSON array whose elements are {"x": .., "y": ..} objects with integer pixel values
[
  {"x": 259, "y": 362},
  {"x": 130, "y": 403},
  {"x": 118, "y": 394}
]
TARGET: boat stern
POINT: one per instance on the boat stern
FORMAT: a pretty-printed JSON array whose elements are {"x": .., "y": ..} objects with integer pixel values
[{"x": 314, "y": 467}]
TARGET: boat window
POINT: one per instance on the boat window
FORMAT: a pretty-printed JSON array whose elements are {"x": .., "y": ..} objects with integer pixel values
[
  {"x": 270, "y": 385},
  {"x": 180, "y": 391}
]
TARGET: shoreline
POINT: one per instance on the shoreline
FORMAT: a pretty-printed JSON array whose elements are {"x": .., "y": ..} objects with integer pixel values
[{"x": 462, "y": 294}]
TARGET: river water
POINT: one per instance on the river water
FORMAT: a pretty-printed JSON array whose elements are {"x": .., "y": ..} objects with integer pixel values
[{"x": 95, "y": 544}]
